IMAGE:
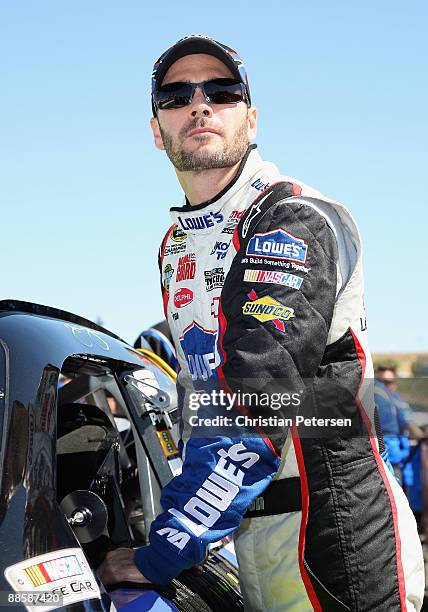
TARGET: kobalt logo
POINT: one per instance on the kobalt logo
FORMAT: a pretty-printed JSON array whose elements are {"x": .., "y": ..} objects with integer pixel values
[
  {"x": 278, "y": 244},
  {"x": 214, "y": 279},
  {"x": 202, "y": 222},
  {"x": 215, "y": 495},
  {"x": 220, "y": 249},
  {"x": 186, "y": 267},
  {"x": 182, "y": 297}
]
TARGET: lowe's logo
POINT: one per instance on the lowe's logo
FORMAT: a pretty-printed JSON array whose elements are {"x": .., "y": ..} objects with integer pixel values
[
  {"x": 278, "y": 244},
  {"x": 202, "y": 222}
]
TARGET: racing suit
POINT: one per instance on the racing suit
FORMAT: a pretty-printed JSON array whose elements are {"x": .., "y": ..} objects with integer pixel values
[{"x": 264, "y": 282}]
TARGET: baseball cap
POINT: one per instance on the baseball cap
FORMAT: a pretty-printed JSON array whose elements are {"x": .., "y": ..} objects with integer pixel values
[{"x": 199, "y": 43}]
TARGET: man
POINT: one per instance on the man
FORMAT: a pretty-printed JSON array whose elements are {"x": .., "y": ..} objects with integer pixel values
[
  {"x": 395, "y": 417},
  {"x": 263, "y": 290},
  {"x": 387, "y": 377}
]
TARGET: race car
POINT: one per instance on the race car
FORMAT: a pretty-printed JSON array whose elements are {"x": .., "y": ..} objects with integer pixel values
[{"x": 88, "y": 438}]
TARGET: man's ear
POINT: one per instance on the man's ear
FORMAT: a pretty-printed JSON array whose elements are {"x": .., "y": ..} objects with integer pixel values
[
  {"x": 154, "y": 124},
  {"x": 252, "y": 123}
]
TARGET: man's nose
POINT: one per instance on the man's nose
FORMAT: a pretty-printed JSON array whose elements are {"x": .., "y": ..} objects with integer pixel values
[{"x": 199, "y": 106}]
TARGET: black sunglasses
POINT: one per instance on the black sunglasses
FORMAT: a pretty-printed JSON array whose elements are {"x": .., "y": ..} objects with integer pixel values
[{"x": 216, "y": 91}]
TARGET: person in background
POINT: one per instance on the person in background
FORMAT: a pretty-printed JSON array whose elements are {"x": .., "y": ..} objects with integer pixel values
[{"x": 395, "y": 416}]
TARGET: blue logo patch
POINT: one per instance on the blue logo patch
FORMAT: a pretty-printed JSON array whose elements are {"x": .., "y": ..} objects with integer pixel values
[
  {"x": 278, "y": 244},
  {"x": 220, "y": 249},
  {"x": 199, "y": 346}
]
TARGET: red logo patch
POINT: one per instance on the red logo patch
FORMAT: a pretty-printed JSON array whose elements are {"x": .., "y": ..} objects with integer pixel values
[
  {"x": 186, "y": 267},
  {"x": 182, "y": 297}
]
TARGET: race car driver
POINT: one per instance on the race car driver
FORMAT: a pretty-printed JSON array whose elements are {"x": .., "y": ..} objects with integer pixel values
[{"x": 262, "y": 283}]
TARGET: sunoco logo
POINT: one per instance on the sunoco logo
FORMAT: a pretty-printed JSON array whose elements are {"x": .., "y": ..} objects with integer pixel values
[{"x": 267, "y": 309}]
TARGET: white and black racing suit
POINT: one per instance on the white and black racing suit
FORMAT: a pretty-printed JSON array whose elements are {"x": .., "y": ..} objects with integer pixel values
[{"x": 264, "y": 283}]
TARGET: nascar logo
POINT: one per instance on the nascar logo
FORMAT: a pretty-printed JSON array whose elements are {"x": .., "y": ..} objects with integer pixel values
[
  {"x": 273, "y": 277},
  {"x": 50, "y": 571}
]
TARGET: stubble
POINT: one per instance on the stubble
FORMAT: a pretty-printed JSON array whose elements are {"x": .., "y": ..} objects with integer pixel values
[{"x": 230, "y": 154}]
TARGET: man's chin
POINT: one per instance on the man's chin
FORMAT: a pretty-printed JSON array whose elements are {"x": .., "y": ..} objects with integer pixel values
[
  {"x": 203, "y": 144},
  {"x": 205, "y": 152}
]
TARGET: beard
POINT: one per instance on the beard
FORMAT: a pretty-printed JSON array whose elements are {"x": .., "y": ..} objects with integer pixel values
[{"x": 230, "y": 154}]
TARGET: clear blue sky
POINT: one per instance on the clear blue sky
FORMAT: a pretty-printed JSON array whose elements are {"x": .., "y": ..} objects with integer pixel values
[{"x": 342, "y": 95}]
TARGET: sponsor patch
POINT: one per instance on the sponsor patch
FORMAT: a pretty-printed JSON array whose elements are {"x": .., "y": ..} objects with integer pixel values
[
  {"x": 65, "y": 572},
  {"x": 174, "y": 249},
  {"x": 182, "y": 297},
  {"x": 259, "y": 185},
  {"x": 278, "y": 244},
  {"x": 186, "y": 267},
  {"x": 236, "y": 215},
  {"x": 199, "y": 347},
  {"x": 167, "y": 274},
  {"x": 232, "y": 221},
  {"x": 273, "y": 277},
  {"x": 267, "y": 309},
  {"x": 220, "y": 249},
  {"x": 214, "y": 279},
  {"x": 178, "y": 235},
  {"x": 229, "y": 228},
  {"x": 201, "y": 222}
]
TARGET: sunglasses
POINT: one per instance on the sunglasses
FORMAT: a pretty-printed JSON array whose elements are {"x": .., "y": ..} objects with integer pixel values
[{"x": 216, "y": 91}]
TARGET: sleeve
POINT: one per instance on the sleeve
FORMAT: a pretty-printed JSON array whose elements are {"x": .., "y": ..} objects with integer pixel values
[{"x": 273, "y": 325}]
